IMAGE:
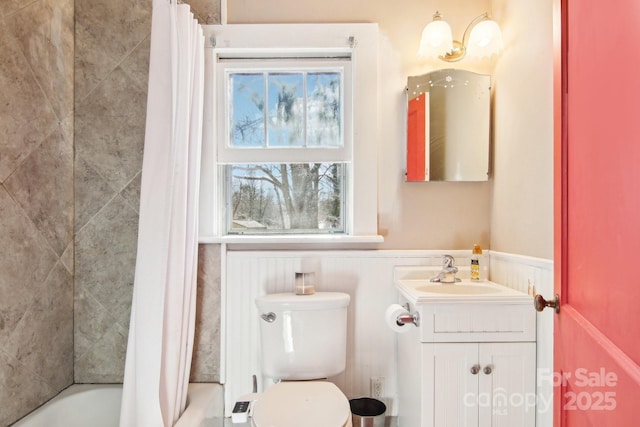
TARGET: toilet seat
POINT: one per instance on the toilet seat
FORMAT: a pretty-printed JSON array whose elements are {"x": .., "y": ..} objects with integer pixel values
[{"x": 302, "y": 403}]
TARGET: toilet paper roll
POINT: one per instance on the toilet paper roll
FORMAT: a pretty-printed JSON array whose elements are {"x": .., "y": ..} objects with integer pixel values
[{"x": 391, "y": 316}]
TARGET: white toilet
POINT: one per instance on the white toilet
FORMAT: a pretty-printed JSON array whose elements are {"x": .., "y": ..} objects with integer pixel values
[{"x": 303, "y": 342}]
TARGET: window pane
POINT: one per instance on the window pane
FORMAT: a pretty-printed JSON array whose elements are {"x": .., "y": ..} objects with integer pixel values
[
  {"x": 286, "y": 107},
  {"x": 246, "y": 110},
  {"x": 324, "y": 110},
  {"x": 286, "y": 197}
]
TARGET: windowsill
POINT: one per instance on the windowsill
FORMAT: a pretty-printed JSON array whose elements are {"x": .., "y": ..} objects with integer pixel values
[{"x": 299, "y": 240}]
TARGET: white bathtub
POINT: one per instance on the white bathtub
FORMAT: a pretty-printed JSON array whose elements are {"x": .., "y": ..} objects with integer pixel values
[{"x": 83, "y": 405}]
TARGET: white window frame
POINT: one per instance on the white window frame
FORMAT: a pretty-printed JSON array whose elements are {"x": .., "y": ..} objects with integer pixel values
[
  {"x": 228, "y": 154},
  {"x": 357, "y": 41}
]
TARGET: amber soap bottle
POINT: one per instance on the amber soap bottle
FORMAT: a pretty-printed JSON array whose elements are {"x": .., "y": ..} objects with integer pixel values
[{"x": 476, "y": 255}]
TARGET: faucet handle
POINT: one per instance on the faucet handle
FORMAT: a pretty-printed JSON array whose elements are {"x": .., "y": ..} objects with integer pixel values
[
  {"x": 448, "y": 273},
  {"x": 448, "y": 264},
  {"x": 448, "y": 261}
]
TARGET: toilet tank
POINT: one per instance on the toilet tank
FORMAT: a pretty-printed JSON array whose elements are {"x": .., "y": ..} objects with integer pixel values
[{"x": 303, "y": 337}]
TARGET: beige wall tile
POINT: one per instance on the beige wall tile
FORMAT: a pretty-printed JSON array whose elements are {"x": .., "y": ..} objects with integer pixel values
[
  {"x": 43, "y": 340},
  {"x": 36, "y": 206},
  {"x": 25, "y": 115},
  {"x": 9, "y": 7},
  {"x": 105, "y": 258},
  {"x": 25, "y": 262},
  {"x": 91, "y": 194},
  {"x": 205, "y": 11},
  {"x": 106, "y": 32},
  {"x": 131, "y": 192},
  {"x": 112, "y": 66},
  {"x": 44, "y": 31},
  {"x": 136, "y": 65},
  {"x": 104, "y": 362},
  {"x": 109, "y": 129},
  {"x": 205, "y": 366},
  {"x": 21, "y": 391},
  {"x": 43, "y": 186},
  {"x": 92, "y": 321},
  {"x": 91, "y": 65}
]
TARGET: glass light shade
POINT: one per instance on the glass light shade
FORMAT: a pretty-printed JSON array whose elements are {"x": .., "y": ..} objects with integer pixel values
[
  {"x": 485, "y": 39},
  {"x": 436, "y": 39}
]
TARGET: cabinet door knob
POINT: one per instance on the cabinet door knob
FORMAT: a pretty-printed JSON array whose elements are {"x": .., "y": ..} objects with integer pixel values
[
  {"x": 487, "y": 369},
  {"x": 269, "y": 317},
  {"x": 475, "y": 369}
]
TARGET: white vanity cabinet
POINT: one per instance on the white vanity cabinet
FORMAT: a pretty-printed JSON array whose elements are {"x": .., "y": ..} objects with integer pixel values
[
  {"x": 478, "y": 384},
  {"x": 470, "y": 362}
]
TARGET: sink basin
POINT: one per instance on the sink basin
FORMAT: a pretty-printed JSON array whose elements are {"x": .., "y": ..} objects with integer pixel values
[
  {"x": 462, "y": 289},
  {"x": 414, "y": 283}
]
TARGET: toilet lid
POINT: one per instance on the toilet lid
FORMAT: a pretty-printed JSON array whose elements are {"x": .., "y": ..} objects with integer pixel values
[{"x": 302, "y": 403}]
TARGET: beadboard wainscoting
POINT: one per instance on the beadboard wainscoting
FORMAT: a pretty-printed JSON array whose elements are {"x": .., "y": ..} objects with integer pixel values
[
  {"x": 367, "y": 276},
  {"x": 522, "y": 273}
]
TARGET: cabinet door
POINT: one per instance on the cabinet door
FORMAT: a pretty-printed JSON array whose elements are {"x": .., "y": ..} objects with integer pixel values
[
  {"x": 449, "y": 386},
  {"x": 507, "y": 389}
]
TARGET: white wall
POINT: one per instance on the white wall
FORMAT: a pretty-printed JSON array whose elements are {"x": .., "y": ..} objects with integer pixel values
[
  {"x": 514, "y": 211},
  {"x": 522, "y": 199},
  {"x": 411, "y": 215}
]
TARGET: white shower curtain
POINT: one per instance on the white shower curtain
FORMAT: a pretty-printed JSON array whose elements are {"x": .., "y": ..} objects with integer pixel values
[{"x": 164, "y": 295}]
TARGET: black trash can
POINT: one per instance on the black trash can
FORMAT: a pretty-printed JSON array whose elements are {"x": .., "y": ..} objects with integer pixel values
[{"x": 367, "y": 412}]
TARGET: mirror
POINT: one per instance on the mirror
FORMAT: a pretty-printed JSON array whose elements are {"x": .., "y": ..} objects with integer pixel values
[{"x": 448, "y": 126}]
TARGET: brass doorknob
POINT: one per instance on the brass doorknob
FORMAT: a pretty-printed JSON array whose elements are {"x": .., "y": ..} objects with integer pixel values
[{"x": 540, "y": 303}]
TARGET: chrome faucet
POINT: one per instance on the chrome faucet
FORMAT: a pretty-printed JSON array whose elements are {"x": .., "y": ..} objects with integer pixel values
[{"x": 448, "y": 273}]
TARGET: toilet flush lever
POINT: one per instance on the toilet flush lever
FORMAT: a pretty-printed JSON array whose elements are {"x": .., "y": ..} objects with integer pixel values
[{"x": 269, "y": 317}]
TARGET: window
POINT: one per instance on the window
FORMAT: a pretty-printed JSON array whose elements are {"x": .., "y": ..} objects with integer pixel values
[
  {"x": 285, "y": 107},
  {"x": 282, "y": 198},
  {"x": 285, "y": 146},
  {"x": 286, "y": 153}
]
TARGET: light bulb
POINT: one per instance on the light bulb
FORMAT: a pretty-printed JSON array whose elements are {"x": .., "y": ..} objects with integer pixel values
[
  {"x": 436, "y": 39},
  {"x": 485, "y": 39}
]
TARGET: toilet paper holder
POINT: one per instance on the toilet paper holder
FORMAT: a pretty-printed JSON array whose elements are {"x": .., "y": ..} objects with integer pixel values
[{"x": 408, "y": 318}]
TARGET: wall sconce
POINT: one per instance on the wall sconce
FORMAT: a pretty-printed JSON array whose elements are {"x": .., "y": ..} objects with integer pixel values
[{"x": 481, "y": 38}]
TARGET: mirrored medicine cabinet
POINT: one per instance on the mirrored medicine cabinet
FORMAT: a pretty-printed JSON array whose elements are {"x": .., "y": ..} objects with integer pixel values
[{"x": 448, "y": 126}]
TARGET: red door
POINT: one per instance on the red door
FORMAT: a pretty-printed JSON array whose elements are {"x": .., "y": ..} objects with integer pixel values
[
  {"x": 597, "y": 212},
  {"x": 417, "y": 143}
]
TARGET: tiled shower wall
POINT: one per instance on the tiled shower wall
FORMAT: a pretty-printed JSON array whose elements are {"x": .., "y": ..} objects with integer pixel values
[
  {"x": 39, "y": 213},
  {"x": 36, "y": 203},
  {"x": 111, "y": 70}
]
